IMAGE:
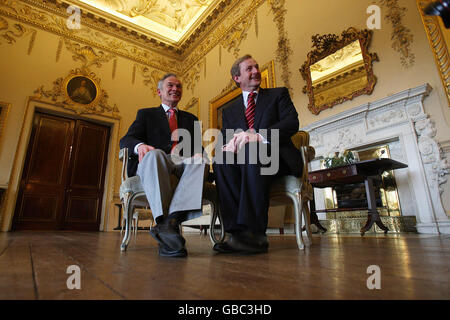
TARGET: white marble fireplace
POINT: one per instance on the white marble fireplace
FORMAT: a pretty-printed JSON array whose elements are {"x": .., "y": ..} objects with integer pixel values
[{"x": 400, "y": 122}]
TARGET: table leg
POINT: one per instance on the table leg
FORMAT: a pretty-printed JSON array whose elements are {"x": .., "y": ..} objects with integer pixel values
[
  {"x": 314, "y": 219},
  {"x": 373, "y": 216}
]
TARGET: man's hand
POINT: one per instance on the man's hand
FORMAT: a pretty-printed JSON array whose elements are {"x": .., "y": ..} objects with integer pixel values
[
  {"x": 240, "y": 139},
  {"x": 143, "y": 149},
  {"x": 245, "y": 137}
]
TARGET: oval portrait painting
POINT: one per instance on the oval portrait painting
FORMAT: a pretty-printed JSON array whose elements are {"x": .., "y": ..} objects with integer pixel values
[{"x": 81, "y": 90}]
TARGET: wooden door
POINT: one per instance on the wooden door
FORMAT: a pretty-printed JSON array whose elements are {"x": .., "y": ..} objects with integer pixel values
[
  {"x": 86, "y": 177},
  {"x": 66, "y": 158}
]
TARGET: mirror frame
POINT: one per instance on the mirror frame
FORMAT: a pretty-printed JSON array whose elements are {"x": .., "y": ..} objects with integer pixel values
[{"x": 328, "y": 44}]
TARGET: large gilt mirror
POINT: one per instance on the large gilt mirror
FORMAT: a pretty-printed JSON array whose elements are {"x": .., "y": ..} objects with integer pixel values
[{"x": 339, "y": 68}]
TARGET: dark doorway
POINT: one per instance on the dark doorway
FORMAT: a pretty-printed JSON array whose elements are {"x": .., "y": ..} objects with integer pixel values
[{"x": 63, "y": 177}]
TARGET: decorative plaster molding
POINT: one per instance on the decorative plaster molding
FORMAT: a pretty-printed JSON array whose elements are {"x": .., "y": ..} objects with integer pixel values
[
  {"x": 96, "y": 33},
  {"x": 192, "y": 106},
  {"x": 401, "y": 36},
  {"x": 53, "y": 19},
  {"x": 151, "y": 77},
  {"x": 239, "y": 13},
  {"x": 11, "y": 33},
  {"x": 192, "y": 76},
  {"x": 238, "y": 32},
  {"x": 436, "y": 165},
  {"x": 284, "y": 50},
  {"x": 58, "y": 96},
  {"x": 88, "y": 55}
]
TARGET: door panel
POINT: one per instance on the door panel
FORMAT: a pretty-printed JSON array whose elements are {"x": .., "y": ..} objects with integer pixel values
[
  {"x": 42, "y": 189},
  {"x": 85, "y": 186}
]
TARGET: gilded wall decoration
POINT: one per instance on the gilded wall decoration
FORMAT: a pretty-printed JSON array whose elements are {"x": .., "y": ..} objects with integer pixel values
[
  {"x": 9, "y": 33},
  {"x": 238, "y": 32},
  {"x": 114, "y": 68},
  {"x": 402, "y": 37},
  {"x": 193, "y": 106},
  {"x": 191, "y": 77},
  {"x": 215, "y": 35},
  {"x": 88, "y": 55},
  {"x": 151, "y": 77},
  {"x": 284, "y": 50},
  {"x": 95, "y": 35},
  {"x": 59, "y": 49},
  {"x": 435, "y": 33},
  {"x": 79, "y": 92},
  {"x": 4, "y": 110}
]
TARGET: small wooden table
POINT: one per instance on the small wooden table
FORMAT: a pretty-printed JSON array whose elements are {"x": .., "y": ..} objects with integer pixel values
[{"x": 363, "y": 171}]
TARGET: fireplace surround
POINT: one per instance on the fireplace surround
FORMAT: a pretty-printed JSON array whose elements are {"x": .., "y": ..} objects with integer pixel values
[{"x": 400, "y": 122}]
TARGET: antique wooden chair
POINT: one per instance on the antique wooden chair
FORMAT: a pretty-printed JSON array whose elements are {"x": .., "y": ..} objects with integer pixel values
[
  {"x": 293, "y": 190},
  {"x": 132, "y": 196},
  {"x": 297, "y": 190}
]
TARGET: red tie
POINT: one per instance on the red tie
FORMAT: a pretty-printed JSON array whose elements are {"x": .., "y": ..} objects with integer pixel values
[
  {"x": 250, "y": 111},
  {"x": 173, "y": 124}
]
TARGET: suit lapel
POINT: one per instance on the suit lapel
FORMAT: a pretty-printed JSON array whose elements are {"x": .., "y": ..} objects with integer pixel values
[
  {"x": 238, "y": 112},
  {"x": 162, "y": 118},
  {"x": 259, "y": 107}
]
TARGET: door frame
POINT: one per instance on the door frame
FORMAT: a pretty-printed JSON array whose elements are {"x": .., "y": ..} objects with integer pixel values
[{"x": 111, "y": 173}]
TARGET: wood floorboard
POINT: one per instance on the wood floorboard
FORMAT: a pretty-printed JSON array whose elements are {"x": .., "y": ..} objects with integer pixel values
[
  {"x": 334, "y": 267},
  {"x": 16, "y": 276}
]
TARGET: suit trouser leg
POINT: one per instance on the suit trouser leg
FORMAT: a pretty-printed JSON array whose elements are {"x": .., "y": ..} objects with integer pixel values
[
  {"x": 244, "y": 196},
  {"x": 155, "y": 172}
]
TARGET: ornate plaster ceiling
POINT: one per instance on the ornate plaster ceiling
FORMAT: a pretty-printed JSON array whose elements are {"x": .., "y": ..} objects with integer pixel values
[{"x": 167, "y": 21}]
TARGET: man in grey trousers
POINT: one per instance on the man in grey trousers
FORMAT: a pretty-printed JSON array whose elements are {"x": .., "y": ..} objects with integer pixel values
[{"x": 169, "y": 163}]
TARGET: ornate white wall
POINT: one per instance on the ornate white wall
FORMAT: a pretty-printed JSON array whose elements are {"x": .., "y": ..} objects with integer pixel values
[{"x": 400, "y": 121}]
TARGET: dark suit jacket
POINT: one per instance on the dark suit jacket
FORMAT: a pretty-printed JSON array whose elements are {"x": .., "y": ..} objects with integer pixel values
[
  {"x": 274, "y": 110},
  {"x": 152, "y": 127}
]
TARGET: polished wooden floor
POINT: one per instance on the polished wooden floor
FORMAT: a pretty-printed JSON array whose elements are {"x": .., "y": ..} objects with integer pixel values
[{"x": 33, "y": 265}]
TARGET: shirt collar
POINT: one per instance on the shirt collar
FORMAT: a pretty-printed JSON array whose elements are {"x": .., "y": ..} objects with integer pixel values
[
  {"x": 166, "y": 107},
  {"x": 246, "y": 93}
]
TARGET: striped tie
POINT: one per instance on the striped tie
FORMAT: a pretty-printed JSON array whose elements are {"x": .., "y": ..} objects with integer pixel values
[{"x": 250, "y": 111}]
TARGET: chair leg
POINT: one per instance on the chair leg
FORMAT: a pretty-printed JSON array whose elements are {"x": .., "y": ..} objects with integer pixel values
[
  {"x": 215, "y": 214},
  {"x": 307, "y": 217},
  {"x": 127, "y": 212},
  {"x": 298, "y": 220},
  {"x": 135, "y": 225}
]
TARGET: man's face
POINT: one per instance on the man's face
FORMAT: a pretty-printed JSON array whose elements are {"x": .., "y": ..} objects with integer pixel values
[
  {"x": 250, "y": 77},
  {"x": 171, "y": 91}
]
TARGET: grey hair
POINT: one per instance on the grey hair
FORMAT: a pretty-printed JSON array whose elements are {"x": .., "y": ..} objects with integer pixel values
[
  {"x": 236, "y": 69},
  {"x": 167, "y": 75}
]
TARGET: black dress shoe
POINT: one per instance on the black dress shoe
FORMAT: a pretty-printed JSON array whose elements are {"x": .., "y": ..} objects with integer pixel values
[
  {"x": 165, "y": 251},
  {"x": 241, "y": 242},
  {"x": 251, "y": 238},
  {"x": 241, "y": 245},
  {"x": 224, "y": 247},
  {"x": 167, "y": 235}
]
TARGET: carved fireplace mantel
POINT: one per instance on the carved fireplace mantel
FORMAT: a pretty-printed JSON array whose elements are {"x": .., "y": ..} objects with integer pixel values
[{"x": 400, "y": 121}]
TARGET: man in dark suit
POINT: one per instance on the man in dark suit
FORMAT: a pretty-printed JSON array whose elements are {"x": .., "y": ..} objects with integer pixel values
[
  {"x": 158, "y": 153},
  {"x": 243, "y": 187}
]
